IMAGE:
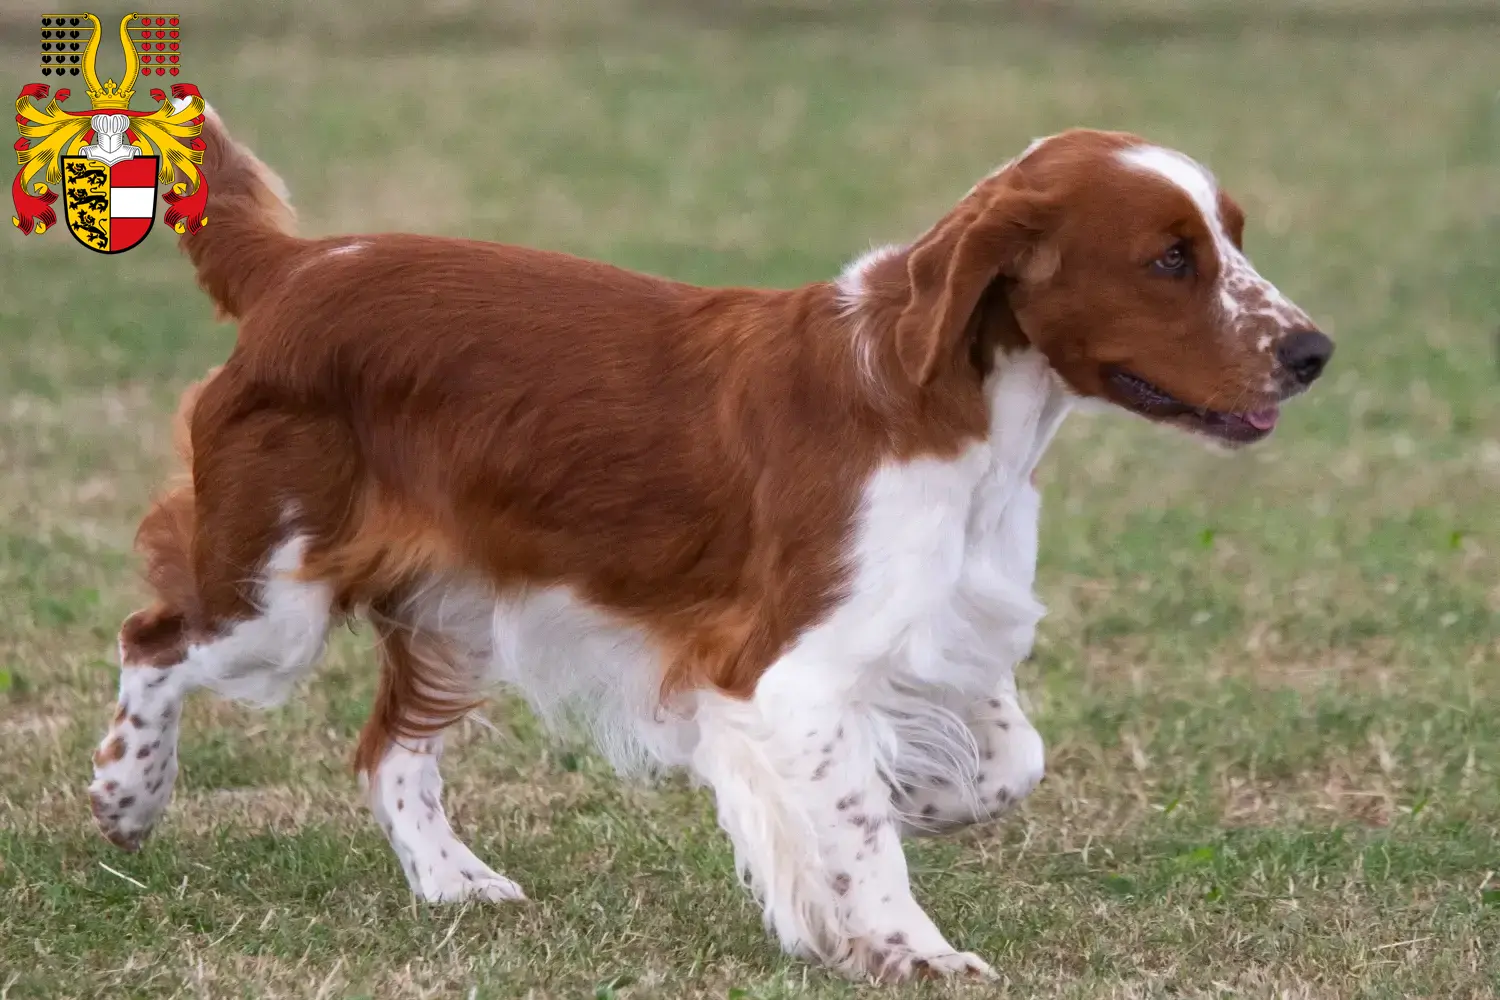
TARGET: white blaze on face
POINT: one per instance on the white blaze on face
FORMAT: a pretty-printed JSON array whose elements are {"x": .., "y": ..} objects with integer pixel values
[{"x": 1252, "y": 305}]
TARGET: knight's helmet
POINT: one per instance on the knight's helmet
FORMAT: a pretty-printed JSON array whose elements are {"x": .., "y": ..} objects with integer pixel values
[
  {"x": 152, "y": 44},
  {"x": 109, "y": 131}
]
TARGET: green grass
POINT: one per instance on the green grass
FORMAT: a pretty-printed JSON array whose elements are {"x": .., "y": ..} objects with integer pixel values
[{"x": 1268, "y": 683}]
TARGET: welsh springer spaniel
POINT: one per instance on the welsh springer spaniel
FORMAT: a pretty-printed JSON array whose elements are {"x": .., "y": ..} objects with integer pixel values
[{"x": 783, "y": 539}]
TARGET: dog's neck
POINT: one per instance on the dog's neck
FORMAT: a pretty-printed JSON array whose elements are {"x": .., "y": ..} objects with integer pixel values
[{"x": 1028, "y": 403}]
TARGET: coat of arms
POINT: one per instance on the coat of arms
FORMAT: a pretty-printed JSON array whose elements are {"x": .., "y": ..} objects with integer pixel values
[{"x": 110, "y": 159}]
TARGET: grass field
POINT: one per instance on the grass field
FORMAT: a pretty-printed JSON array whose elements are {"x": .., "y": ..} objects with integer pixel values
[{"x": 1270, "y": 684}]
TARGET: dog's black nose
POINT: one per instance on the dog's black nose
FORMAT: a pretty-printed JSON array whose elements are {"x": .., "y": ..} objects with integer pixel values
[{"x": 1304, "y": 353}]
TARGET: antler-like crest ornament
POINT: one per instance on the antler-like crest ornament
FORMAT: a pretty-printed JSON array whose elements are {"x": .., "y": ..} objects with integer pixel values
[{"x": 110, "y": 164}]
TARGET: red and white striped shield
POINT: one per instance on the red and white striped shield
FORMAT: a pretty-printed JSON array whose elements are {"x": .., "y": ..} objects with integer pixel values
[{"x": 111, "y": 207}]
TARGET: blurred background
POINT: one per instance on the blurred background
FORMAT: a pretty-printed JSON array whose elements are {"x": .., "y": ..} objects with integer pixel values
[{"x": 1268, "y": 682}]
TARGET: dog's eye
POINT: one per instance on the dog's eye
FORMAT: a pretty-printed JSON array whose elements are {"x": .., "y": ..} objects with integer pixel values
[{"x": 1177, "y": 262}]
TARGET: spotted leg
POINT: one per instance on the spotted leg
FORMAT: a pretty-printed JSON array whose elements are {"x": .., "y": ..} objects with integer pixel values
[
  {"x": 257, "y": 659},
  {"x": 801, "y": 795},
  {"x": 1011, "y": 762},
  {"x": 135, "y": 766},
  {"x": 406, "y": 795}
]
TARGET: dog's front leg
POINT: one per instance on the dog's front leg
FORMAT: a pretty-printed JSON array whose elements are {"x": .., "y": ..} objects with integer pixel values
[
  {"x": 800, "y": 792},
  {"x": 1011, "y": 762}
]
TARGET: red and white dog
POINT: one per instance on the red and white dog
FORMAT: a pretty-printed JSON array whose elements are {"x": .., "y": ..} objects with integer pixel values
[{"x": 783, "y": 539}]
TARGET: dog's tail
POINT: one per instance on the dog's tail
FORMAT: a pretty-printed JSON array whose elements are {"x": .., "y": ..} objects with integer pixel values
[{"x": 248, "y": 239}]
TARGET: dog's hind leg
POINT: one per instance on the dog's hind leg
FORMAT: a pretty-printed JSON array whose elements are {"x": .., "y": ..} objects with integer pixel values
[
  {"x": 406, "y": 795},
  {"x": 256, "y": 659},
  {"x": 434, "y": 650},
  {"x": 235, "y": 611}
]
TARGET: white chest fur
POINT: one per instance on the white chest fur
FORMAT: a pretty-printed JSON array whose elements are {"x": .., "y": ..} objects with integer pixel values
[
  {"x": 945, "y": 552},
  {"x": 941, "y": 607}
]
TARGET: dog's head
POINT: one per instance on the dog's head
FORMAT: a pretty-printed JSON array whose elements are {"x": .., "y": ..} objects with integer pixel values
[{"x": 1121, "y": 262}]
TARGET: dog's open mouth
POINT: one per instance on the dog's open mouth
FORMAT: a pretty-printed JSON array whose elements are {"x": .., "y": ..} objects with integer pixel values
[{"x": 1136, "y": 394}]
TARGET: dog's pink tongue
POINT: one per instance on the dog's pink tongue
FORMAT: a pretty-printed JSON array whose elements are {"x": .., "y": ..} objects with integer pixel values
[{"x": 1263, "y": 420}]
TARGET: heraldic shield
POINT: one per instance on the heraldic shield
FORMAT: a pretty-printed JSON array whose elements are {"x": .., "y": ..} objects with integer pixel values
[{"x": 110, "y": 206}]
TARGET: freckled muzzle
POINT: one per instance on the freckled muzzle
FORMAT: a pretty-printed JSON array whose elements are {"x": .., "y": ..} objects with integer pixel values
[{"x": 1301, "y": 355}]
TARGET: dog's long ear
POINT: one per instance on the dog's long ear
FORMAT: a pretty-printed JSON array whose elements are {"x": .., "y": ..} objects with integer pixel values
[{"x": 990, "y": 234}]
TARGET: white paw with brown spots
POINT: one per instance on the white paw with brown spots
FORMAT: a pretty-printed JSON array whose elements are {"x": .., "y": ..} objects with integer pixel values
[
  {"x": 452, "y": 881},
  {"x": 135, "y": 769}
]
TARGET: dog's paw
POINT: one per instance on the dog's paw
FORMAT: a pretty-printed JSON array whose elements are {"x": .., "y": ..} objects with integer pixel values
[
  {"x": 456, "y": 883},
  {"x": 900, "y": 965},
  {"x": 134, "y": 771}
]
